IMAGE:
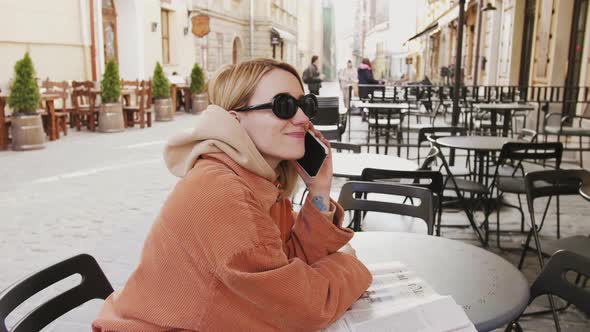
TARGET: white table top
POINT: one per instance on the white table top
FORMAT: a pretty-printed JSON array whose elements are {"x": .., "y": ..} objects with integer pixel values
[
  {"x": 351, "y": 165},
  {"x": 490, "y": 289}
]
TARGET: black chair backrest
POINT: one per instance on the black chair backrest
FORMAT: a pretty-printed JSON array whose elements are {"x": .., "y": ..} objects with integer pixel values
[
  {"x": 552, "y": 279},
  {"x": 328, "y": 113},
  {"x": 435, "y": 178},
  {"x": 553, "y": 182},
  {"x": 94, "y": 285},
  {"x": 518, "y": 151},
  {"x": 351, "y": 200},
  {"x": 338, "y": 146}
]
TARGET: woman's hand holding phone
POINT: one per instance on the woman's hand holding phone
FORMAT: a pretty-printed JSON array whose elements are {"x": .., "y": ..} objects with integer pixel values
[{"x": 320, "y": 185}]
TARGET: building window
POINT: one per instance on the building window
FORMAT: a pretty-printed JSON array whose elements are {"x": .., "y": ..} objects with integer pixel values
[
  {"x": 109, "y": 24},
  {"x": 165, "y": 14}
]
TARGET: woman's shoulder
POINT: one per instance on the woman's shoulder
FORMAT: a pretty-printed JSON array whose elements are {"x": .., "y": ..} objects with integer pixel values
[{"x": 211, "y": 176}]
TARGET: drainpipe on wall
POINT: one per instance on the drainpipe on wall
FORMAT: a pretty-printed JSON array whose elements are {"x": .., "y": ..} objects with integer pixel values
[
  {"x": 251, "y": 28},
  {"x": 92, "y": 41}
]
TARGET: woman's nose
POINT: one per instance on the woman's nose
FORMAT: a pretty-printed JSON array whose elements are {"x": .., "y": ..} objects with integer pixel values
[{"x": 299, "y": 118}]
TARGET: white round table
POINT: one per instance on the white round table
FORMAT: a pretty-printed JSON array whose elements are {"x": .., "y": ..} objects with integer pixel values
[
  {"x": 490, "y": 289},
  {"x": 351, "y": 165}
]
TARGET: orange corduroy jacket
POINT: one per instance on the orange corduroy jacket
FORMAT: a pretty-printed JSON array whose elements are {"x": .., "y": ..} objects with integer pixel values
[{"x": 226, "y": 254}]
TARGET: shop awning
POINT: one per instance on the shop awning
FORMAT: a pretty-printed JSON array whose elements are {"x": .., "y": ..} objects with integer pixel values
[
  {"x": 283, "y": 34},
  {"x": 428, "y": 29}
]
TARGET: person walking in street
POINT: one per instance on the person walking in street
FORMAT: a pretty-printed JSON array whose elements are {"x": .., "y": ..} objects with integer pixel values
[
  {"x": 226, "y": 252},
  {"x": 348, "y": 76},
  {"x": 312, "y": 77},
  {"x": 178, "y": 80},
  {"x": 365, "y": 76}
]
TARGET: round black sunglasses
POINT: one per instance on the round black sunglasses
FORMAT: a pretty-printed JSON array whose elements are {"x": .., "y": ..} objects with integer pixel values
[{"x": 285, "y": 106}]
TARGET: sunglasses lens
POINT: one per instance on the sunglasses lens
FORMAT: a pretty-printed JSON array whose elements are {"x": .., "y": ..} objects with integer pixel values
[
  {"x": 309, "y": 105},
  {"x": 285, "y": 107}
]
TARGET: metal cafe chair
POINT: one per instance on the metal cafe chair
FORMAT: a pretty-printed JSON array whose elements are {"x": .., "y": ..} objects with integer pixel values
[
  {"x": 434, "y": 183},
  {"x": 460, "y": 187},
  {"x": 550, "y": 183},
  {"x": 94, "y": 285},
  {"x": 517, "y": 153},
  {"x": 553, "y": 281},
  {"x": 351, "y": 200}
]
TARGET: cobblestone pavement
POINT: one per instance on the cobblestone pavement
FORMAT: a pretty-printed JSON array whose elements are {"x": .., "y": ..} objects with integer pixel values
[{"x": 99, "y": 194}]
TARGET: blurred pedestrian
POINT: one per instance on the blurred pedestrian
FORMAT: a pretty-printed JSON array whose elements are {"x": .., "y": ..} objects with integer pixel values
[
  {"x": 178, "y": 80},
  {"x": 365, "y": 76},
  {"x": 348, "y": 77},
  {"x": 311, "y": 76}
]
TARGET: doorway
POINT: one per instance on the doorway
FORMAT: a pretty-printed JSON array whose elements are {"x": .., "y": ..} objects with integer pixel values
[
  {"x": 576, "y": 49},
  {"x": 526, "y": 53}
]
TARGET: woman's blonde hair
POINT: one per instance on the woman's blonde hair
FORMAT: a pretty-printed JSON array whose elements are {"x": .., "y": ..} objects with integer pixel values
[{"x": 232, "y": 86}]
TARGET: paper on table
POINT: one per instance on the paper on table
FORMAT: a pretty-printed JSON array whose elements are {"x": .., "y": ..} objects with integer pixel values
[{"x": 398, "y": 300}]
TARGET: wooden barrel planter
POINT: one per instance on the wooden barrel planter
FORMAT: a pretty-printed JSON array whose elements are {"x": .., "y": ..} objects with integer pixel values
[
  {"x": 200, "y": 102},
  {"x": 110, "y": 118},
  {"x": 163, "y": 109},
  {"x": 27, "y": 132}
]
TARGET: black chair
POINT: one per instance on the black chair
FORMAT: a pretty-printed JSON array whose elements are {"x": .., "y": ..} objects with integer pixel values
[
  {"x": 386, "y": 122},
  {"x": 339, "y": 146},
  {"x": 327, "y": 119},
  {"x": 460, "y": 187},
  {"x": 547, "y": 184},
  {"x": 567, "y": 127},
  {"x": 434, "y": 184},
  {"x": 552, "y": 281},
  {"x": 94, "y": 285},
  {"x": 351, "y": 200},
  {"x": 515, "y": 154}
]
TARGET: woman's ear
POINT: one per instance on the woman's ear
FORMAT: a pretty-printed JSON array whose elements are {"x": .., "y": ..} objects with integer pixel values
[{"x": 235, "y": 115}]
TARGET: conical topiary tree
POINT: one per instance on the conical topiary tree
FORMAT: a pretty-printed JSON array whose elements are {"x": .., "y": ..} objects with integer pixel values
[
  {"x": 161, "y": 86},
  {"x": 197, "y": 79},
  {"x": 110, "y": 85},
  {"x": 24, "y": 93}
]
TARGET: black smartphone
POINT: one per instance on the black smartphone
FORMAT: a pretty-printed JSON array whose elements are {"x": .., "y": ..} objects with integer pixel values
[{"x": 315, "y": 154}]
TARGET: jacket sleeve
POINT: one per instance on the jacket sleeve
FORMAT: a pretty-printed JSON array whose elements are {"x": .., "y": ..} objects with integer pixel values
[
  {"x": 291, "y": 294},
  {"x": 314, "y": 235}
]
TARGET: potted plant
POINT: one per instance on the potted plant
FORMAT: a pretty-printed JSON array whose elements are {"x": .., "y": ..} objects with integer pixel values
[
  {"x": 27, "y": 127},
  {"x": 161, "y": 94},
  {"x": 199, "y": 96},
  {"x": 110, "y": 117}
]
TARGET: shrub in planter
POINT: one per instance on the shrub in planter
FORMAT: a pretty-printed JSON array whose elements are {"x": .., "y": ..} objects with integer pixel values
[
  {"x": 27, "y": 128},
  {"x": 161, "y": 94},
  {"x": 110, "y": 118},
  {"x": 200, "y": 98}
]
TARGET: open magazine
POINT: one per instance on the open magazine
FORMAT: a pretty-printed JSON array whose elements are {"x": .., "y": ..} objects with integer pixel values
[{"x": 398, "y": 300}]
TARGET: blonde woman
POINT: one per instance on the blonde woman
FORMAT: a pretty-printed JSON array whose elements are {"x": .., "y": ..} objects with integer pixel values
[{"x": 226, "y": 252}]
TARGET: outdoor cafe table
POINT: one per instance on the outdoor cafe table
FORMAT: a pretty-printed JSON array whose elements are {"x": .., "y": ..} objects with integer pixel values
[
  {"x": 482, "y": 145},
  {"x": 506, "y": 109},
  {"x": 490, "y": 289},
  {"x": 351, "y": 165}
]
